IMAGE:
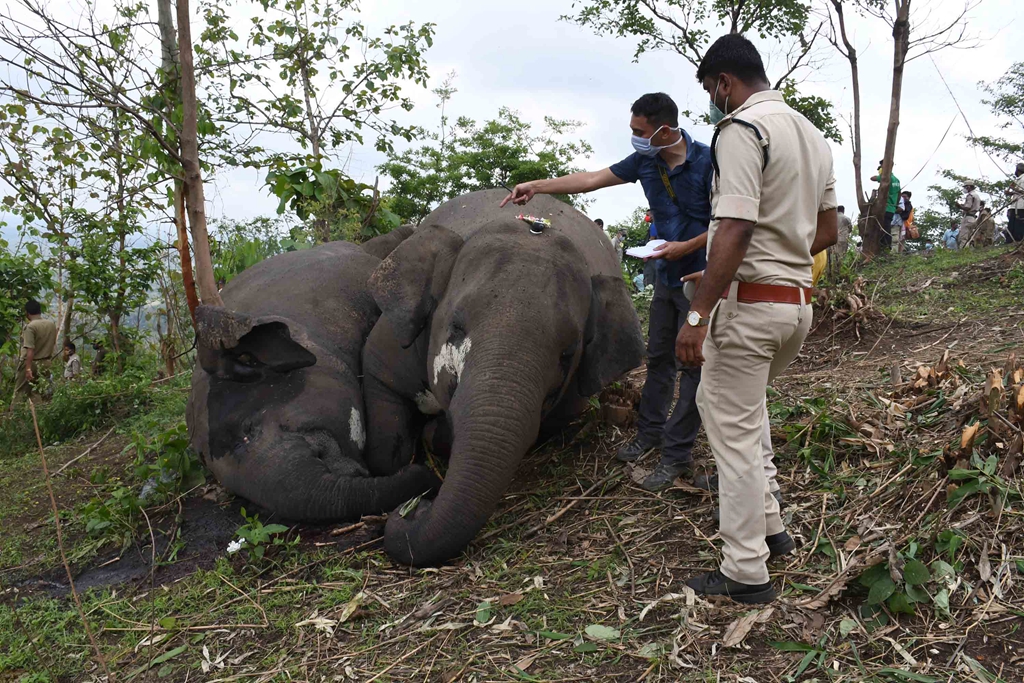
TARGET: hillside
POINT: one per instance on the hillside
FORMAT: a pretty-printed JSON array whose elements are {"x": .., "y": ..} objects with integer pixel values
[{"x": 898, "y": 434}]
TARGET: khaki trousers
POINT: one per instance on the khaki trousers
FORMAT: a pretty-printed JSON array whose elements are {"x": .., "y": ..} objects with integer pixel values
[{"x": 747, "y": 346}]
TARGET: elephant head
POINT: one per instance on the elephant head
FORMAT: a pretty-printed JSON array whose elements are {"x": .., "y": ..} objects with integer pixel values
[
  {"x": 516, "y": 323},
  {"x": 276, "y": 410}
]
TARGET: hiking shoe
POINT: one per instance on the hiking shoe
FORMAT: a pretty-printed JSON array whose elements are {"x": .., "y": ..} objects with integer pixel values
[
  {"x": 717, "y": 513},
  {"x": 636, "y": 448},
  {"x": 665, "y": 474},
  {"x": 779, "y": 545},
  {"x": 717, "y": 583}
]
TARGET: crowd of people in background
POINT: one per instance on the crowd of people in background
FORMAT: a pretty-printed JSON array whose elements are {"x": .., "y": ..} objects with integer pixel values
[{"x": 975, "y": 227}]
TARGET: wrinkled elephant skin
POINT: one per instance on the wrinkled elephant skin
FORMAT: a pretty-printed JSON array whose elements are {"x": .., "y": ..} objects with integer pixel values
[
  {"x": 499, "y": 329},
  {"x": 276, "y": 409}
]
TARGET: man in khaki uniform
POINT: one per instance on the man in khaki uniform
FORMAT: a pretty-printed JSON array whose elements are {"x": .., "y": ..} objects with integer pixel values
[
  {"x": 971, "y": 206},
  {"x": 773, "y": 207},
  {"x": 985, "y": 230},
  {"x": 37, "y": 345}
]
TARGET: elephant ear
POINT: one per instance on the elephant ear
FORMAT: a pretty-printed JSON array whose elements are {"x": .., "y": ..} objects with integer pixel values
[
  {"x": 408, "y": 284},
  {"x": 614, "y": 343},
  {"x": 224, "y": 338},
  {"x": 382, "y": 245}
]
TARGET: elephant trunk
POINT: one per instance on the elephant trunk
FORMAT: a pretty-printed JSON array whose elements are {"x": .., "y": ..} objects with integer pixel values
[
  {"x": 496, "y": 416},
  {"x": 289, "y": 478}
]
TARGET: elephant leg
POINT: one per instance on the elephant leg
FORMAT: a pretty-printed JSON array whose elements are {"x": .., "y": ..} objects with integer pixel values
[{"x": 392, "y": 423}]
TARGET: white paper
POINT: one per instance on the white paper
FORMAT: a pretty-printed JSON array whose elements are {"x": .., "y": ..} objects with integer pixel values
[{"x": 645, "y": 251}]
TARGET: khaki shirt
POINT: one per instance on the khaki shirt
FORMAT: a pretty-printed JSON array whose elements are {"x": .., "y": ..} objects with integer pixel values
[
  {"x": 784, "y": 199},
  {"x": 972, "y": 204},
  {"x": 40, "y": 335},
  {"x": 1018, "y": 185}
]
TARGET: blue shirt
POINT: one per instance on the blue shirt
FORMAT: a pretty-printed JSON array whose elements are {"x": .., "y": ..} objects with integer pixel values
[
  {"x": 653, "y": 231},
  {"x": 676, "y": 220}
]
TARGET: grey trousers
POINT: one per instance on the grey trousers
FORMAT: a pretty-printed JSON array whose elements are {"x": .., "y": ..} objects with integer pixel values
[{"x": 678, "y": 431}]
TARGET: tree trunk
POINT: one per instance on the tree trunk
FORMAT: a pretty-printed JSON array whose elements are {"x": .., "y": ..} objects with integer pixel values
[
  {"x": 901, "y": 43},
  {"x": 195, "y": 198},
  {"x": 851, "y": 57},
  {"x": 188, "y": 280},
  {"x": 66, "y": 324}
]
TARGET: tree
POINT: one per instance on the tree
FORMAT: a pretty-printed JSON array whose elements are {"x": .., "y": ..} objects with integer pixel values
[
  {"x": 238, "y": 245},
  {"x": 1006, "y": 100},
  {"x": 638, "y": 233},
  {"x": 932, "y": 35},
  {"x": 682, "y": 26},
  {"x": 317, "y": 75},
  {"x": 502, "y": 152},
  {"x": 23, "y": 276}
]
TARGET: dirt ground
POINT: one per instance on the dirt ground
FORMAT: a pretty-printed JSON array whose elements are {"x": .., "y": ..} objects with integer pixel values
[{"x": 579, "y": 574}]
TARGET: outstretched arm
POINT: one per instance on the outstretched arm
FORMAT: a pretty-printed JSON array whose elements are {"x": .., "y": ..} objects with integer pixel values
[{"x": 567, "y": 184}]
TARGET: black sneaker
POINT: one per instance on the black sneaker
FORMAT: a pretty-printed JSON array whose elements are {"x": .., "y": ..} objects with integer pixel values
[
  {"x": 717, "y": 514},
  {"x": 779, "y": 545},
  {"x": 636, "y": 448},
  {"x": 717, "y": 583},
  {"x": 665, "y": 474}
]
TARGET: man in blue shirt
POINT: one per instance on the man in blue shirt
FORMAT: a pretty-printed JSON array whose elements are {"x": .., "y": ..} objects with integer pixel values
[{"x": 675, "y": 173}]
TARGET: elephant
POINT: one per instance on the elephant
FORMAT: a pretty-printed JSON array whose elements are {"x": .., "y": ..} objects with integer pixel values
[
  {"x": 499, "y": 331},
  {"x": 276, "y": 409}
]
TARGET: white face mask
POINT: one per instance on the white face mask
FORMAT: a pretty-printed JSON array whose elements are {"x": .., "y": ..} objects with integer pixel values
[
  {"x": 714, "y": 113},
  {"x": 644, "y": 147}
]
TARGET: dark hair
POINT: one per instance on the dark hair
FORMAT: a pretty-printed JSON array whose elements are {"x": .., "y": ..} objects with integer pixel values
[
  {"x": 69, "y": 345},
  {"x": 32, "y": 307},
  {"x": 599, "y": 221},
  {"x": 658, "y": 108},
  {"x": 842, "y": 209},
  {"x": 908, "y": 193},
  {"x": 735, "y": 55}
]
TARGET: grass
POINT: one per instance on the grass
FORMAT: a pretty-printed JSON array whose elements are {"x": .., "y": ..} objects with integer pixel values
[
  {"x": 972, "y": 282},
  {"x": 859, "y": 476}
]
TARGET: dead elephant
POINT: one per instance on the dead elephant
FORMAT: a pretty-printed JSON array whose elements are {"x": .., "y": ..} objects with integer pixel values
[{"x": 276, "y": 409}]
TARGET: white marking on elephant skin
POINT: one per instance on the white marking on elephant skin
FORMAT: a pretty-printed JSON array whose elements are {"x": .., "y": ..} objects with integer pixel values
[
  {"x": 452, "y": 358},
  {"x": 427, "y": 403},
  {"x": 355, "y": 429}
]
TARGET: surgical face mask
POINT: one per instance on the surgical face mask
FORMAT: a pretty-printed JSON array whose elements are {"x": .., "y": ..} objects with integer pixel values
[
  {"x": 714, "y": 113},
  {"x": 644, "y": 147}
]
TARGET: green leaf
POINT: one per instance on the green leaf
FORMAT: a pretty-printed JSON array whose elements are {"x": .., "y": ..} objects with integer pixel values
[
  {"x": 917, "y": 594},
  {"x": 881, "y": 590},
  {"x": 873, "y": 575},
  {"x": 942, "y": 571},
  {"x": 964, "y": 491},
  {"x": 554, "y": 635},
  {"x": 170, "y": 654},
  {"x": 847, "y": 626},
  {"x": 168, "y": 622},
  {"x": 602, "y": 632},
  {"x": 898, "y": 603},
  {"x": 941, "y": 601},
  {"x": 916, "y": 573},
  {"x": 584, "y": 648},
  {"x": 275, "y": 528},
  {"x": 483, "y": 612}
]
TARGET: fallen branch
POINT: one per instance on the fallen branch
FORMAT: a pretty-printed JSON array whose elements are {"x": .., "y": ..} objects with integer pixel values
[{"x": 88, "y": 450}]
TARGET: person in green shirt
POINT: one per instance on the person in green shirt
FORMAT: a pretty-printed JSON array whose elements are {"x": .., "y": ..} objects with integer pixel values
[
  {"x": 38, "y": 340},
  {"x": 885, "y": 239}
]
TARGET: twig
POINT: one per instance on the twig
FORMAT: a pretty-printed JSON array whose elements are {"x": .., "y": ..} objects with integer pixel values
[
  {"x": 60, "y": 545},
  {"x": 88, "y": 450},
  {"x": 401, "y": 659}
]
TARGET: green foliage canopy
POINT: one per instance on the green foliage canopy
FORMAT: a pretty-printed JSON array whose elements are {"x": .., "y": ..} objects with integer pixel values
[{"x": 500, "y": 153}]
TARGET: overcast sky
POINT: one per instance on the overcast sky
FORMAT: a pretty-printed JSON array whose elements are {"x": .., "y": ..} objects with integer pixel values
[{"x": 520, "y": 55}]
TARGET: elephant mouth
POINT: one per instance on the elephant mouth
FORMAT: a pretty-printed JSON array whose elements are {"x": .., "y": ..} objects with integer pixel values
[{"x": 322, "y": 445}]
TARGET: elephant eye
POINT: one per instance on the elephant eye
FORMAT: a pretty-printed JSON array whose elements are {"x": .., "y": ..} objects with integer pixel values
[{"x": 247, "y": 359}]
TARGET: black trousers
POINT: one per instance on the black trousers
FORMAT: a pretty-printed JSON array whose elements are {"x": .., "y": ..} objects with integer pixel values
[
  {"x": 885, "y": 236},
  {"x": 650, "y": 274},
  {"x": 678, "y": 431},
  {"x": 1016, "y": 226}
]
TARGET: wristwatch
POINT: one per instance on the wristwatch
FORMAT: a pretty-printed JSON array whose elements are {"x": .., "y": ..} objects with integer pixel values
[{"x": 693, "y": 319}]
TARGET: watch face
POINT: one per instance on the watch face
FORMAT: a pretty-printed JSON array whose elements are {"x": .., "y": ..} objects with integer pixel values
[{"x": 693, "y": 318}]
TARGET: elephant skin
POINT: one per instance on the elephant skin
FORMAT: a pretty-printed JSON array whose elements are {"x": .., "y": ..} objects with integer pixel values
[
  {"x": 498, "y": 330},
  {"x": 276, "y": 408}
]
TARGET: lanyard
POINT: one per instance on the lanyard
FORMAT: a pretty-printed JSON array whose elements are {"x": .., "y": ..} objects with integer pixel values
[{"x": 668, "y": 188}]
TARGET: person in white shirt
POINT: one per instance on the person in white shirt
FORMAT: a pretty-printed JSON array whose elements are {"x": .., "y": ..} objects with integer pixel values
[
  {"x": 1015, "y": 230},
  {"x": 72, "y": 363},
  {"x": 971, "y": 206}
]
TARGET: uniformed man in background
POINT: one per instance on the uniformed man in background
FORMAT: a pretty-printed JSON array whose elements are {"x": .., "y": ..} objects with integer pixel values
[
  {"x": 37, "y": 345},
  {"x": 773, "y": 208}
]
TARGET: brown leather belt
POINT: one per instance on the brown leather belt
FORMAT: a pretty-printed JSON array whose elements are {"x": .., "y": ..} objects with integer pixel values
[{"x": 754, "y": 293}]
